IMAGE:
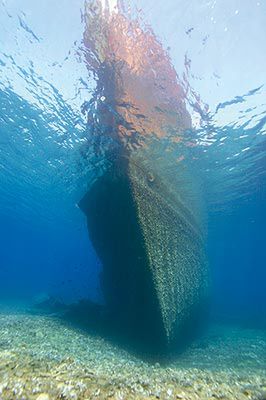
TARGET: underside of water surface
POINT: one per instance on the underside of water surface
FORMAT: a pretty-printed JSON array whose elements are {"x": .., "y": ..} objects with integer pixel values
[{"x": 132, "y": 200}]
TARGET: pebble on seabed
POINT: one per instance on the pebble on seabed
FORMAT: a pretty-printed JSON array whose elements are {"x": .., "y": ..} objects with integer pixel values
[
  {"x": 43, "y": 396},
  {"x": 70, "y": 365}
]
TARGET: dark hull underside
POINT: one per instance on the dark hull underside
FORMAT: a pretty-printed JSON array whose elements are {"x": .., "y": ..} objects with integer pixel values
[{"x": 154, "y": 277}]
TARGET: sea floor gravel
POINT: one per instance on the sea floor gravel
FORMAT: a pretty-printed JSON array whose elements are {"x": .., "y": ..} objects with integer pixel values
[{"x": 43, "y": 358}]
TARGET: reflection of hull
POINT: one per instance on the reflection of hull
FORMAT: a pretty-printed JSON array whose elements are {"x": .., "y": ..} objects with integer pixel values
[{"x": 154, "y": 270}]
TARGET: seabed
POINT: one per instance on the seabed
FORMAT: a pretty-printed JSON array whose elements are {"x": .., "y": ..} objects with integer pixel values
[{"x": 44, "y": 358}]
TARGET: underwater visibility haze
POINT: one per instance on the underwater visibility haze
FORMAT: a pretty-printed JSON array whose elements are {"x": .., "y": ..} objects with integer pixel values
[{"x": 132, "y": 193}]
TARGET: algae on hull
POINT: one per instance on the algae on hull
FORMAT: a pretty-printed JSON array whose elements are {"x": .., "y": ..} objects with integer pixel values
[{"x": 175, "y": 250}]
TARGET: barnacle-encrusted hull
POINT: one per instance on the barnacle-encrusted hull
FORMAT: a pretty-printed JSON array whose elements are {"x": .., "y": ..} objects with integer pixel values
[{"x": 154, "y": 270}]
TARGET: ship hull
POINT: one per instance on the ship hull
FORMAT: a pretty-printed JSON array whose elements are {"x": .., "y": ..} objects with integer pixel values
[{"x": 154, "y": 276}]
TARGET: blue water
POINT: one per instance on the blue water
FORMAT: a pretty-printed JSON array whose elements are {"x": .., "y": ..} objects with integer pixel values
[{"x": 46, "y": 167}]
